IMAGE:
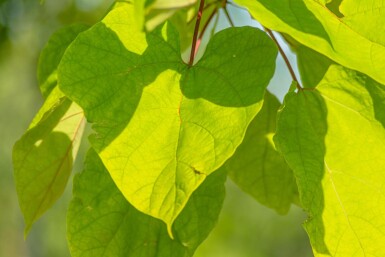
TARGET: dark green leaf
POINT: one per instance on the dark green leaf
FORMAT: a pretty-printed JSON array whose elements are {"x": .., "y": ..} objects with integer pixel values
[{"x": 257, "y": 168}]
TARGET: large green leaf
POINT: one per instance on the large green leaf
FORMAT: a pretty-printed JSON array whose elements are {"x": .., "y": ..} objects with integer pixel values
[
  {"x": 161, "y": 125},
  {"x": 44, "y": 155},
  {"x": 102, "y": 223},
  {"x": 51, "y": 55},
  {"x": 356, "y": 40},
  {"x": 333, "y": 138},
  {"x": 257, "y": 168}
]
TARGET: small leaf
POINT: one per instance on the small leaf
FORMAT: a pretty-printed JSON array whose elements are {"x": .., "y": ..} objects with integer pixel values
[
  {"x": 333, "y": 138},
  {"x": 356, "y": 40},
  {"x": 102, "y": 223},
  {"x": 257, "y": 168},
  {"x": 44, "y": 155},
  {"x": 312, "y": 66},
  {"x": 51, "y": 55},
  {"x": 157, "y": 120}
]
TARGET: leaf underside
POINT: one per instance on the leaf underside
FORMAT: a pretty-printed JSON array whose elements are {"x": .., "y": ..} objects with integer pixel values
[{"x": 257, "y": 168}]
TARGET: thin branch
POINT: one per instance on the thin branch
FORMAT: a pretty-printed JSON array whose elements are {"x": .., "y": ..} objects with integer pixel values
[
  {"x": 196, "y": 30},
  {"x": 228, "y": 15},
  {"x": 207, "y": 23},
  {"x": 214, "y": 25},
  {"x": 290, "y": 68}
]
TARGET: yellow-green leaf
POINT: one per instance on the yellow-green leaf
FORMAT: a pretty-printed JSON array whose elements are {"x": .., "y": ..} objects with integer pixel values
[
  {"x": 44, "y": 155},
  {"x": 333, "y": 138},
  {"x": 163, "y": 126}
]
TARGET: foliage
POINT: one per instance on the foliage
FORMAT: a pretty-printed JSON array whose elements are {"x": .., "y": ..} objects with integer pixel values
[{"x": 168, "y": 130}]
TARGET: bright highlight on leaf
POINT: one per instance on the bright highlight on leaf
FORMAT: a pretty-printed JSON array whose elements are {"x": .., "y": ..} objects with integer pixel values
[
  {"x": 257, "y": 168},
  {"x": 333, "y": 138},
  {"x": 162, "y": 126},
  {"x": 102, "y": 223}
]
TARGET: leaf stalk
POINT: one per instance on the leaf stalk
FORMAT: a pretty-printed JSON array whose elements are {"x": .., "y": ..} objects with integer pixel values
[
  {"x": 287, "y": 62},
  {"x": 196, "y": 32}
]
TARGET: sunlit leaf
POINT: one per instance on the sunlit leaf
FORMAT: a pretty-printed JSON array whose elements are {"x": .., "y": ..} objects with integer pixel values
[
  {"x": 333, "y": 138},
  {"x": 161, "y": 125},
  {"x": 102, "y": 223}
]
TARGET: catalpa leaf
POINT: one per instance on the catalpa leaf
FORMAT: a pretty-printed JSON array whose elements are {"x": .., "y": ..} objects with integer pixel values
[
  {"x": 341, "y": 185},
  {"x": 102, "y": 223},
  {"x": 161, "y": 125},
  {"x": 51, "y": 55},
  {"x": 356, "y": 40},
  {"x": 44, "y": 155},
  {"x": 257, "y": 168}
]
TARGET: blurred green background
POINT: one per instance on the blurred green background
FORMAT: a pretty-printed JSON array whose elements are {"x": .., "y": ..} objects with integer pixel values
[{"x": 245, "y": 228}]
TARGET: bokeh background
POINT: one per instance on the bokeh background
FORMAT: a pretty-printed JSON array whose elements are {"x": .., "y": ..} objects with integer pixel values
[{"x": 245, "y": 228}]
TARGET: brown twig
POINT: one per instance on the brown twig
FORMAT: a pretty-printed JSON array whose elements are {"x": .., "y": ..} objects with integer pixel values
[
  {"x": 290, "y": 68},
  {"x": 196, "y": 31}
]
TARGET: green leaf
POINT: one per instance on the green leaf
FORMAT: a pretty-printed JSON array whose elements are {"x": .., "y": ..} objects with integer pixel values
[
  {"x": 102, "y": 223},
  {"x": 333, "y": 138},
  {"x": 162, "y": 126},
  {"x": 353, "y": 40},
  {"x": 44, "y": 155},
  {"x": 51, "y": 55},
  {"x": 257, "y": 168},
  {"x": 311, "y": 65}
]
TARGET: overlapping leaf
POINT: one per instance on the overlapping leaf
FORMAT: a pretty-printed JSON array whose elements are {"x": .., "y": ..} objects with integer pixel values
[
  {"x": 356, "y": 40},
  {"x": 52, "y": 54},
  {"x": 44, "y": 155},
  {"x": 102, "y": 223},
  {"x": 162, "y": 126},
  {"x": 257, "y": 168},
  {"x": 333, "y": 138}
]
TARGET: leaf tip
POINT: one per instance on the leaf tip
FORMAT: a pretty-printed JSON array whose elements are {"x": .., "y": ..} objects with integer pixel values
[{"x": 169, "y": 230}]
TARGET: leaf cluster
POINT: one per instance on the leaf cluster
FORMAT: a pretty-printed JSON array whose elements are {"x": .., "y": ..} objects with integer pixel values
[{"x": 167, "y": 131}]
